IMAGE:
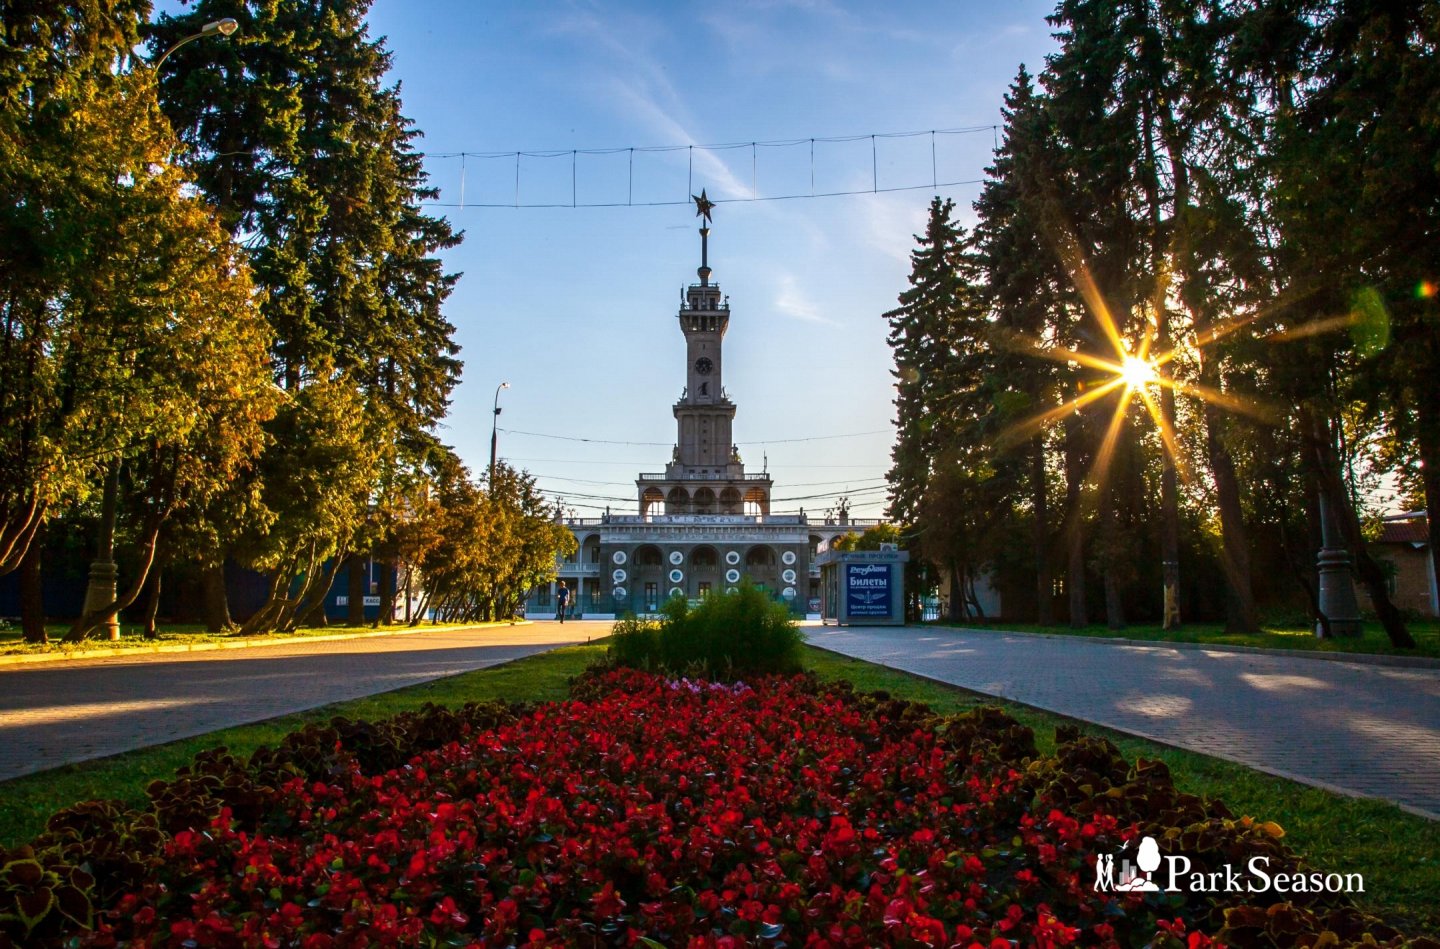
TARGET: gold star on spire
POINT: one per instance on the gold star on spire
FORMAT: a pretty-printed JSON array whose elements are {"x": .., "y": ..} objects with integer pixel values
[{"x": 703, "y": 205}]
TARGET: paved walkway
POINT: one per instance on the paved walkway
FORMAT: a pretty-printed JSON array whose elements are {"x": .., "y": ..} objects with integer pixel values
[
  {"x": 1359, "y": 729},
  {"x": 58, "y": 713}
]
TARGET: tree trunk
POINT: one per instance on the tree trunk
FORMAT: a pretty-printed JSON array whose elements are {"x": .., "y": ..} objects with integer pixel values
[
  {"x": 152, "y": 604},
  {"x": 1169, "y": 517},
  {"x": 355, "y": 590},
  {"x": 1371, "y": 575},
  {"x": 419, "y": 615},
  {"x": 1428, "y": 437},
  {"x": 387, "y": 595},
  {"x": 90, "y": 621},
  {"x": 972, "y": 597},
  {"x": 18, "y": 531},
  {"x": 1160, "y": 242},
  {"x": 270, "y": 613},
  {"x": 215, "y": 605},
  {"x": 313, "y": 591},
  {"x": 1241, "y": 615},
  {"x": 32, "y": 597},
  {"x": 1039, "y": 502},
  {"x": 409, "y": 594},
  {"x": 957, "y": 593},
  {"x": 1075, "y": 526},
  {"x": 1114, "y": 599}
]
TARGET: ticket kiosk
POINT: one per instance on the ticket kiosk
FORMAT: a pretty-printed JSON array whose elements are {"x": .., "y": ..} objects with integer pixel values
[{"x": 862, "y": 587}]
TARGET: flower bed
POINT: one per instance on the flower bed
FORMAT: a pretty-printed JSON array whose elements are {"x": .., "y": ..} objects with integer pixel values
[{"x": 648, "y": 811}]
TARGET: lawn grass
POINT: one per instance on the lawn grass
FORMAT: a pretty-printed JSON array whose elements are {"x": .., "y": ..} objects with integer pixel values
[
  {"x": 1372, "y": 641},
  {"x": 132, "y": 637},
  {"x": 1398, "y": 853}
]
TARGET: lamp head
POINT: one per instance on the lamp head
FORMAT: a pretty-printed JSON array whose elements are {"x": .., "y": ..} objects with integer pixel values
[{"x": 224, "y": 27}]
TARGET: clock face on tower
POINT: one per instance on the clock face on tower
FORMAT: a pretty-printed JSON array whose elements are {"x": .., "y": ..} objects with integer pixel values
[{"x": 703, "y": 365}]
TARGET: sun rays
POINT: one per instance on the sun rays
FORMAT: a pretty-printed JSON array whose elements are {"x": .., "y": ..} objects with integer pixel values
[{"x": 1133, "y": 373}]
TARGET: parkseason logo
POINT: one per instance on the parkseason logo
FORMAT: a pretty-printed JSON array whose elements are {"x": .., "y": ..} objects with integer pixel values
[{"x": 1146, "y": 870}]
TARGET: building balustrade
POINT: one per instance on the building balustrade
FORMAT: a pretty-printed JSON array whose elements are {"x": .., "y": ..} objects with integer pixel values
[
  {"x": 694, "y": 476},
  {"x": 857, "y": 524}
]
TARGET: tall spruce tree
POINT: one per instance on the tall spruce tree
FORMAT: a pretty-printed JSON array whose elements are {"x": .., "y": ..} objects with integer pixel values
[
  {"x": 1025, "y": 291},
  {"x": 944, "y": 485},
  {"x": 310, "y": 156},
  {"x": 920, "y": 344},
  {"x": 1089, "y": 195}
]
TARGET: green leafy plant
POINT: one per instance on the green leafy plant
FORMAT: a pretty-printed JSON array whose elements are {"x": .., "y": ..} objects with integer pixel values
[
  {"x": 726, "y": 636},
  {"x": 41, "y": 896}
]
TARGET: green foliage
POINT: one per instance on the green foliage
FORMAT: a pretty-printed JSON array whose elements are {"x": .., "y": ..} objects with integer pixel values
[
  {"x": 635, "y": 642},
  {"x": 316, "y": 490},
  {"x": 129, "y": 330},
  {"x": 871, "y": 539},
  {"x": 494, "y": 545},
  {"x": 725, "y": 636}
]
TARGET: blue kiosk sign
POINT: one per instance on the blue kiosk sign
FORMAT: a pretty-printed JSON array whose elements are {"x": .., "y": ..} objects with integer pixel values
[
  {"x": 867, "y": 589},
  {"x": 862, "y": 586}
]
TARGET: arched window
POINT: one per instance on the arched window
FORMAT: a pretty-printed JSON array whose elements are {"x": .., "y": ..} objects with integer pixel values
[
  {"x": 760, "y": 557},
  {"x": 651, "y": 502}
]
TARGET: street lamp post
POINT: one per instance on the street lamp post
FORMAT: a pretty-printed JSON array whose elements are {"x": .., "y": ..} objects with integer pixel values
[
  {"x": 101, "y": 590},
  {"x": 224, "y": 27},
  {"x": 1338, "y": 606},
  {"x": 495, "y": 431}
]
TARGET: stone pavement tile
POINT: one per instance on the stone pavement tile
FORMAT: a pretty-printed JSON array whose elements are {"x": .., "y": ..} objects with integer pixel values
[
  {"x": 58, "y": 714},
  {"x": 1362, "y": 729}
]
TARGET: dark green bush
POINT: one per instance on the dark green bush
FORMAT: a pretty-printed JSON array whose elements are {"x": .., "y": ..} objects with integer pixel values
[
  {"x": 728, "y": 635},
  {"x": 635, "y": 643}
]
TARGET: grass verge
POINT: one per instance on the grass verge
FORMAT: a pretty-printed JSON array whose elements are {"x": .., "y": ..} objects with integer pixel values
[
  {"x": 1372, "y": 641},
  {"x": 132, "y": 637},
  {"x": 1398, "y": 853}
]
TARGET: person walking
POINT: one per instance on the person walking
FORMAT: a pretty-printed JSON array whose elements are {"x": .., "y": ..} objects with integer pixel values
[{"x": 562, "y": 597}]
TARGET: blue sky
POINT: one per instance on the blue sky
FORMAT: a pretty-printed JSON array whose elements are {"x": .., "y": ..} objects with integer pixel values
[{"x": 575, "y": 307}]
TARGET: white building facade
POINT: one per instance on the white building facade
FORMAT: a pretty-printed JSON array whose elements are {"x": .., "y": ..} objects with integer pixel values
[{"x": 703, "y": 524}]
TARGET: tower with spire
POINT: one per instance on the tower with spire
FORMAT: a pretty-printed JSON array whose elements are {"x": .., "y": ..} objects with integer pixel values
[
  {"x": 704, "y": 524},
  {"x": 705, "y": 474}
]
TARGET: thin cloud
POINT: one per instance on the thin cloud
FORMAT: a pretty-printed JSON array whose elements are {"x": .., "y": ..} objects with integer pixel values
[
  {"x": 790, "y": 301},
  {"x": 637, "y": 105},
  {"x": 640, "y": 91},
  {"x": 889, "y": 223}
]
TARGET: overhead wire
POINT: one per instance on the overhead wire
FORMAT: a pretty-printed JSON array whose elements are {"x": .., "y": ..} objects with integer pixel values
[
  {"x": 770, "y": 441},
  {"x": 574, "y": 154},
  {"x": 560, "y": 152}
]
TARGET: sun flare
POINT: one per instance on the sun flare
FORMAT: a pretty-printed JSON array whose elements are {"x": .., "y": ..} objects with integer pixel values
[{"x": 1138, "y": 372}]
